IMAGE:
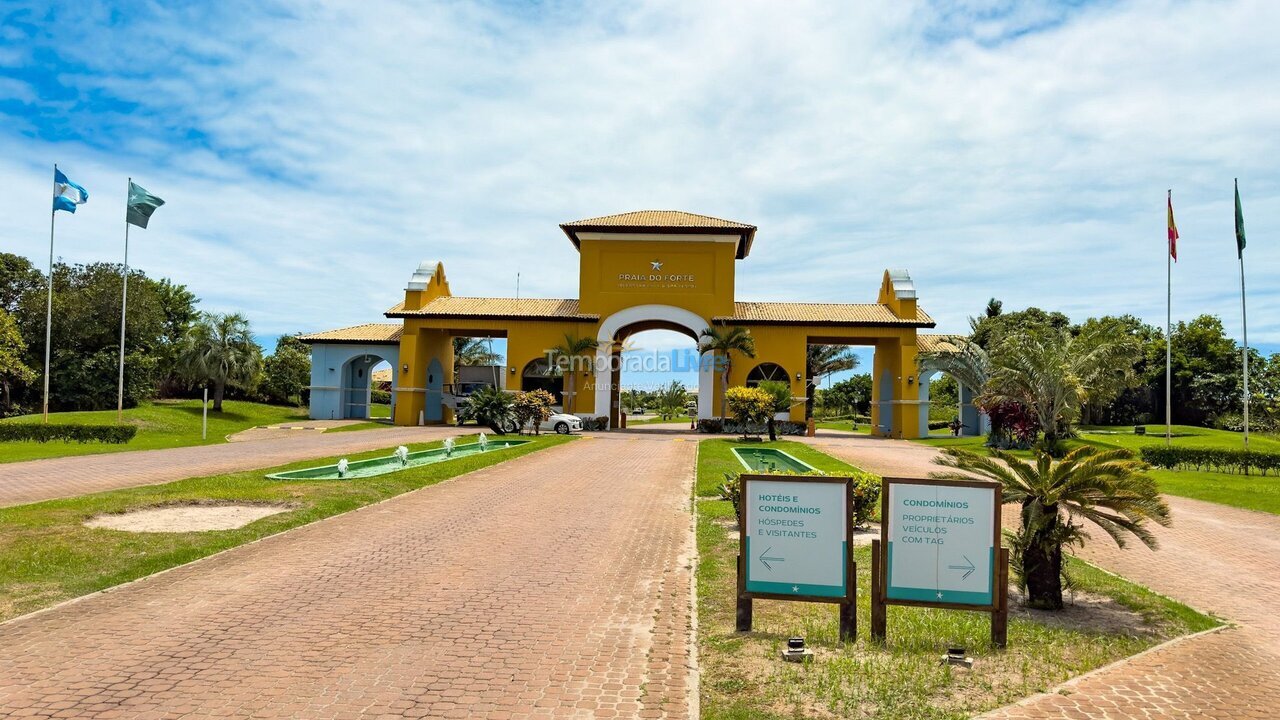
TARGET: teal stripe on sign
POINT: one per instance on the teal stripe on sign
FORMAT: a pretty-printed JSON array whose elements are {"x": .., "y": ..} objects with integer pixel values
[
  {"x": 800, "y": 589},
  {"x": 956, "y": 597}
]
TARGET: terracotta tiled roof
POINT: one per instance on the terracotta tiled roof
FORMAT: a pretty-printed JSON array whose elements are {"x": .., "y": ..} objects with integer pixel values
[
  {"x": 664, "y": 221},
  {"x": 367, "y": 333},
  {"x": 497, "y": 308},
  {"x": 790, "y": 313},
  {"x": 658, "y": 219},
  {"x": 927, "y": 342}
]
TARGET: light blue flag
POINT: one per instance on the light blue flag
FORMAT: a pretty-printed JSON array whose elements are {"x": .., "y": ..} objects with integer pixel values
[{"x": 66, "y": 194}]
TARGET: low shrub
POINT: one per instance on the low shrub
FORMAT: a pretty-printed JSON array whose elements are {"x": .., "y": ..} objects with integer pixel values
[
  {"x": 595, "y": 422},
  {"x": 866, "y": 494},
  {"x": 382, "y": 397},
  {"x": 30, "y": 432},
  {"x": 1212, "y": 459},
  {"x": 717, "y": 426},
  {"x": 866, "y": 497}
]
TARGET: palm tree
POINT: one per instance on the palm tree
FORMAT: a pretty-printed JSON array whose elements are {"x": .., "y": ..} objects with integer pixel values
[
  {"x": 1110, "y": 489},
  {"x": 219, "y": 349},
  {"x": 474, "y": 351},
  {"x": 563, "y": 355},
  {"x": 821, "y": 361},
  {"x": 1051, "y": 373},
  {"x": 968, "y": 363},
  {"x": 725, "y": 341}
]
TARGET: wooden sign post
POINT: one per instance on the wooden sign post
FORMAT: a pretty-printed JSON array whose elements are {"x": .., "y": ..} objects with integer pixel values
[
  {"x": 795, "y": 544},
  {"x": 939, "y": 547}
]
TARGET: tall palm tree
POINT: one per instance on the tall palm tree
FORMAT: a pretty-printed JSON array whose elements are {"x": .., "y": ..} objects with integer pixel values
[
  {"x": 821, "y": 361},
  {"x": 968, "y": 363},
  {"x": 565, "y": 354},
  {"x": 725, "y": 341},
  {"x": 1110, "y": 489},
  {"x": 219, "y": 349}
]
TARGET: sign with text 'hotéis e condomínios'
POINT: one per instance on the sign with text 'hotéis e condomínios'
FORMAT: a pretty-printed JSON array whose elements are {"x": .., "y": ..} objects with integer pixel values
[{"x": 795, "y": 536}]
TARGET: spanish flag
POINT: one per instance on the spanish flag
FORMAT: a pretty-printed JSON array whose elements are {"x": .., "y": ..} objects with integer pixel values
[{"x": 1173, "y": 231}]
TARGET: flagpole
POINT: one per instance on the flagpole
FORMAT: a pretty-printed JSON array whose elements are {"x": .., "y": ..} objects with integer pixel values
[
  {"x": 48, "y": 313},
  {"x": 1244, "y": 321},
  {"x": 1168, "y": 341},
  {"x": 124, "y": 303}
]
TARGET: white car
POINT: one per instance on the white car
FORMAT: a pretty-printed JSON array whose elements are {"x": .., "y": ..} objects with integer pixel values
[{"x": 562, "y": 423}]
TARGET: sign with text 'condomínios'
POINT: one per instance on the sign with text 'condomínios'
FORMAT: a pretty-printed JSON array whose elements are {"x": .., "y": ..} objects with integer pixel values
[
  {"x": 941, "y": 541},
  {"x": 796, "y": 536}
]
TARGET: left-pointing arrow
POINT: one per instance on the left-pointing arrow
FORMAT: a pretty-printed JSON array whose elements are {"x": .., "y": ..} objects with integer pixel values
[{"x": 766, "y": 559}]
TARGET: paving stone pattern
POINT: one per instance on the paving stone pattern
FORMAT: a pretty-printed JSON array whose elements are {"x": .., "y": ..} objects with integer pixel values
[
  {"x": 554, "y": 585},
  {"x": 37, "y": 480}
]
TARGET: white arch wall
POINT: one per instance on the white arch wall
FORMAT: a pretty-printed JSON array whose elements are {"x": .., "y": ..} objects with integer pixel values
[{"x": 642, "y": 313}]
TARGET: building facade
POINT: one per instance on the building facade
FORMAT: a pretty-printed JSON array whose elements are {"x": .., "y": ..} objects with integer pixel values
[{"x": 636, "y": 271}]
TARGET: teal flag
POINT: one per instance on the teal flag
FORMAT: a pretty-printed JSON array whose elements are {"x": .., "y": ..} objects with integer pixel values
[
  {"x": 141, "y": 205},
  {"x": 1239, "y": 224}
]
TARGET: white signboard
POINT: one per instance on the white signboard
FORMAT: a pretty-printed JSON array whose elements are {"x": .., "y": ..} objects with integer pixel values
[
  {"x": 795, "y": 537},
  {"x": 941, "y": 542}
]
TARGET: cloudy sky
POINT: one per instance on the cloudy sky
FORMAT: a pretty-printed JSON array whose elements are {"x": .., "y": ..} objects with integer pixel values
[{"x": 312, "y": 153}]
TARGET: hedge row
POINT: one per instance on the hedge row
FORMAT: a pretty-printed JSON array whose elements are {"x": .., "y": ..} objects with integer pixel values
[
  {"x": 1224, "y": 461},
  {"x": 721, "y": 425},
  {"x": 31, "y": 432}
]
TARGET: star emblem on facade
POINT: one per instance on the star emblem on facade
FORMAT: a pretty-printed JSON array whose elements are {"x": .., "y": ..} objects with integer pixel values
[
  {"x": 655, "y": 264},
  {"x": 939, "y": 594},
  {"x": 795, "y": 588}
]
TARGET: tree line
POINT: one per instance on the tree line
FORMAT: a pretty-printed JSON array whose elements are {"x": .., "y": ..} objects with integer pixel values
[{"x": 172, "y": 348}]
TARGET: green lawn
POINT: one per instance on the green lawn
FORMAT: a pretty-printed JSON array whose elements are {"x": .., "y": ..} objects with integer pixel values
[
  {"x": 743, "y": 678},
  {"x": 369, "y": 425},
  {"x": 161, "y": 424},
  {"x": 47, "y": 555},
  {"x": 1252, "y": 492},
  {"x": 845, "y": 425},
  {"x": 715, "y": 458}
]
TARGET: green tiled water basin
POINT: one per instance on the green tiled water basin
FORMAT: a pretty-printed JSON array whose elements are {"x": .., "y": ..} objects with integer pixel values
[
  {"x": 390, "y": 464},
  {"x": 763, "y": 460}
]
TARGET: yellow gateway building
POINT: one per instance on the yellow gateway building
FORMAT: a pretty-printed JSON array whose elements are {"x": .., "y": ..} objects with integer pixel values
[{"x": 636, "y": 271}]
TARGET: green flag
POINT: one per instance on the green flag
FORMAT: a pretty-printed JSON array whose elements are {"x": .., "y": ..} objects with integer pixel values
[
  {"x": 1239, "y": 224},
  {"x": 141, "y": 205}
]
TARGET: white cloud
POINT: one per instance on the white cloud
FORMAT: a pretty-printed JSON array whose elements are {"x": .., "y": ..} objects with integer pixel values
[{"x": 994, "y": 149}]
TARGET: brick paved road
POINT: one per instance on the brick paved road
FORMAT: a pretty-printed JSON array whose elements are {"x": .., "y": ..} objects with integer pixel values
[
  {"x": 36, "y": 480},
  {"x": 1215, "y": 558},
  {"x": 554, "y": 585}
]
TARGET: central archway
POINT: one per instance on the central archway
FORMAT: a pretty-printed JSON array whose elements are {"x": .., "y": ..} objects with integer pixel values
[{"x": 647, "y": 317}]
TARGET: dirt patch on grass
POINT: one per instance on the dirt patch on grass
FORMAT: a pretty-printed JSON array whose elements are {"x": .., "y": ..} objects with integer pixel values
[
  {"x": 1085, "y": 612},
  {"x": 187, "y": 517}
]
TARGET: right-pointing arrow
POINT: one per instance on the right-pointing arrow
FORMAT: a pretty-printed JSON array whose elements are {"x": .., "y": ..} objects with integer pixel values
[{"x": 968, "y": 567}]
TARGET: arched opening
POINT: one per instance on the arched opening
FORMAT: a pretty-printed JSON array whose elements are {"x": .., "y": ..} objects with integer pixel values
[
  {"x": 366, "y": 391},
  {"x": 538, "y": 374},
  {"x": 767, "y": 371},
  {"x": 639, "y": 319},
  {"x": 655, "y": 376}
]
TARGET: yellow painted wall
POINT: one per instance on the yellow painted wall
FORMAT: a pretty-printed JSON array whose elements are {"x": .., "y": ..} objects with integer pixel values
[{"x": 696, "y": 275}]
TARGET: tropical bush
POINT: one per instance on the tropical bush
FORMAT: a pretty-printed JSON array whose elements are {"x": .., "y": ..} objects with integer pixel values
[
  {"x": 532, "y": 408},
  {"x": 380, "y": 397},
  {"x": 219, "y": 349},
  {"x": 286, "y": 373},
  {"x": 750, "y": 407},
  {"x": 1110, "y": 489},
  {"x": 866, "y": 498},
  {"x": 724, "y": 342},
  {"x": 731, "y": 490},
  {"x": 30, "y": 432},
  {"x": 489, "y": 406},
  {"x": 595, "y": 422},
  {"x": 1213, "y": 459}
]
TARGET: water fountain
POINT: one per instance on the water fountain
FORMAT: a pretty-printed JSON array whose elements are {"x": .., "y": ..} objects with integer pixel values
[
  {"x": 342, "y": 468},
  {"x": 402, "y": 454},
  {"x": 484, "y": 443},
  {"x": 448, "y": 447}
]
